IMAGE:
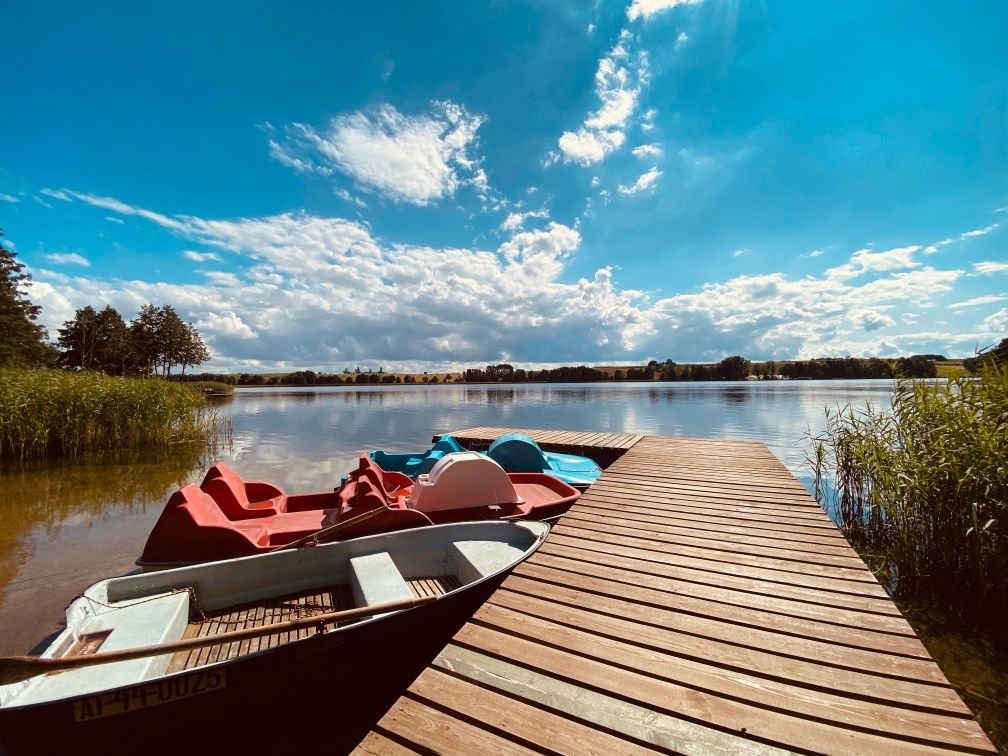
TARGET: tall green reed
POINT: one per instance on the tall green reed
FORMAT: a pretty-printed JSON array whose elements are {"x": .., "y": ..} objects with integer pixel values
[
  {"x": 53, "y": 413},
  {"x": 921, "y": 490}
]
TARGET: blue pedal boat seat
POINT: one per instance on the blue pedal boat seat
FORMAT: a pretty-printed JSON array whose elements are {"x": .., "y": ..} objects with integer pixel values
[
  {"x": 516, "y": 452},
  {"x": 416, "y": 464}
]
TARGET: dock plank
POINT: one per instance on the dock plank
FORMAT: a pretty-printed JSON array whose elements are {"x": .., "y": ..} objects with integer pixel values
[{"x": 697, "y": 600}]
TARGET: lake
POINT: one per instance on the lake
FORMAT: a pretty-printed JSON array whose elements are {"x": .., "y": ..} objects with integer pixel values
[{"x": 64, "y": 526}]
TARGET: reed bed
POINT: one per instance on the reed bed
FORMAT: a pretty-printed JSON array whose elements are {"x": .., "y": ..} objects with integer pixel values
[
  {"x": 922, "y": 490},
  {"x": 212, "y": 387},
  {"x": 56, "y": 413}
]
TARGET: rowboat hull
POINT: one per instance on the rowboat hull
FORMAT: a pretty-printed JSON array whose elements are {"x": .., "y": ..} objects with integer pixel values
[
  {"x": 335, "y": 685},
  {"x": 323, "y": 690}
]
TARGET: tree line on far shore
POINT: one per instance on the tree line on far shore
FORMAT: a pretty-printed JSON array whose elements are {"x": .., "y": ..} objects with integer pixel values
[{"x": 734, "y": 368}]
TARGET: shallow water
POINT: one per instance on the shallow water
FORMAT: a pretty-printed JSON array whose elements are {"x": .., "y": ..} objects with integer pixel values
[{"x": 64, "y": 526}]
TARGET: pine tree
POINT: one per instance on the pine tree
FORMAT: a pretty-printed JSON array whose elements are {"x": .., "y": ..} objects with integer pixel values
[{"x": 22, "y": 340}]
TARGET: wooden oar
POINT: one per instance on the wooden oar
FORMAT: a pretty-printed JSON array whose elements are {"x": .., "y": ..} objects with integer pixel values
[
  {"x": 320, "y": 535},
  {"x": 17, "y": 668}
]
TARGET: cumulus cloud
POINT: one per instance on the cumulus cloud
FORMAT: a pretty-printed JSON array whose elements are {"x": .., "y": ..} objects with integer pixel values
[
  {"x": 645, "y": 9},
  {"x": 68, "y": 258},
  {"x": 319, "y": 291},
  {"x": 618, "y": 80},
  {"x": 866, "y": 260},
  {"x": 996, "y": 324},
  {"x": 515, "y": 221},
  {"x": 644, "y": 181},
  {"x": 417, "y": 159},
  {"x": 872, "y": 320}
]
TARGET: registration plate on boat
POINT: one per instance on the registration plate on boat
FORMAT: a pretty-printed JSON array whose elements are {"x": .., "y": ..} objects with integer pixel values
[{"x": 145, "y": 696}]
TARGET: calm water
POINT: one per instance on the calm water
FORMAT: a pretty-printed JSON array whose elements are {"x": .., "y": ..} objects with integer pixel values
[{"x": 63, "y": 527}]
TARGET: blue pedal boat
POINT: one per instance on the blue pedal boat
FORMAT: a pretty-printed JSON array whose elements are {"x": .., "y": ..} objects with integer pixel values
[{"x": 515, "y": 452}]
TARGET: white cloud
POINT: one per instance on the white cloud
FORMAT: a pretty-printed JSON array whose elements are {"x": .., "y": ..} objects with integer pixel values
[
  {"x": 310, "y": 291},
  {"x": 40, "y": 201},
  {"x": 996, "y": 324},
  {"x": 68, "y": 258},
  {"x": 417, "y": 159},
  {"x": 515, "y": 221},
  {"x": 988, "y": 268},
  {"x": 586, "y": 147},
  {"x": 644, "y": 9},
  {"x": 113, "y": 219},
  {"x": 647, "y": 150},
  {"x": 8, "y": 198},
  {"x": 344, "y": 195},
  {"x": 977, "y": 302},
  {"x": 55, "y": 194},
  {"x": 647, "y": 119},
  {"x": 681, "y": 40},
  {"x": 814, "y": 253},
  {"x": 644, "y": 181},
  {"x": 866, "y": 260},
  {"x": 873, "y": 320},
  {"x": 200, "y": 257},
  {"x": 618, "y": 88},
  {"x": 223, "y": 278},
  {"x": 225, "y": 323},
  {"x": 932, "y": 248},
  {"x": 739, "y": 252}
]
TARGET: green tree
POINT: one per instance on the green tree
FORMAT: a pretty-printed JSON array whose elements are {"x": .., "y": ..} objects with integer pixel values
[
  {"x": 144, "y": 338},
  {"x": 734, "y": 368},
  {"x": 194, "y": 351},
  {"x": 96, "y": 341},
  {"x": 22, "y": 340},
  {"x": 77, "y": 340}
]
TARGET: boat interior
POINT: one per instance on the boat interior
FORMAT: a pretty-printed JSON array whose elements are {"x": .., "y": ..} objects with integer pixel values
[{"x": 211, "y": 599}]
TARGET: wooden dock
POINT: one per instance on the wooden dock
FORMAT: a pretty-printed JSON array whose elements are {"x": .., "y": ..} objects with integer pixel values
[{"x": 696, "y": 600}]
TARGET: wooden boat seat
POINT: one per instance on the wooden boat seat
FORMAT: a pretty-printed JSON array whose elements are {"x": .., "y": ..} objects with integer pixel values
[{"x": 374, "y": 579}]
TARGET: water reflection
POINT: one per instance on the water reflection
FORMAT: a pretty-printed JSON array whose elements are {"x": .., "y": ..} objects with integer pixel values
[{"x": 65, "y": 526}]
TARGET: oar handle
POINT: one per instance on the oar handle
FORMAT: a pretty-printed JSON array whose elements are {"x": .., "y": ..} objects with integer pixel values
[
  {"x": 17, "y": 668},
  {"x": 324, "y": 533}
]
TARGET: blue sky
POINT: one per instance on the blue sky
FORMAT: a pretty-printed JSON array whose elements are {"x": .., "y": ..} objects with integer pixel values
[{"x": 444, "y": 184}]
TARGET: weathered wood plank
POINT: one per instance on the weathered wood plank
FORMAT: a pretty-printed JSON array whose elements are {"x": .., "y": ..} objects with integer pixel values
[{"x": 696, "y": 597}]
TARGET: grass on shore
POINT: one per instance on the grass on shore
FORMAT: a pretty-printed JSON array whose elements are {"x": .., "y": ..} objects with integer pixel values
[
  {"x": 53, "y": 412},
  {"x": 922, "y": 492}
]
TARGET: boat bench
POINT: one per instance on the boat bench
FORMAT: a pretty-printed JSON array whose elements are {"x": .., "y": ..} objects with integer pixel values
[
  {"x": 477, "y": 559},
  {"x": 375, "y": 579}
]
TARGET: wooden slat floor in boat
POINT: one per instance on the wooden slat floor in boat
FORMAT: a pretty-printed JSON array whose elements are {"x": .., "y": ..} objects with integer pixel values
[
  {"x": 307, "y": 604},
  {"x": 696, "y": 599}
]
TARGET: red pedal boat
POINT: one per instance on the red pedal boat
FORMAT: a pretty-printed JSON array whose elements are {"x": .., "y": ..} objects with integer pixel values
[{"x": 226, "y": 516}]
